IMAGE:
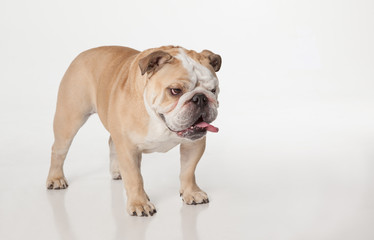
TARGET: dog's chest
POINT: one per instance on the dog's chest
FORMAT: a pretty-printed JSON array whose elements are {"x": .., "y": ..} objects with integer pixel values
[
  {"x": 159, "y": 139},
  {"x": 159, "y": 146}
]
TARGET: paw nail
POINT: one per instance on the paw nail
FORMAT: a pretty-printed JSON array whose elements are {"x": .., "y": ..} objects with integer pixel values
[
  {"x": 144, "y": 214},
  {"x": 134, "y": 214},
  {"x": 154, "y": 211}
]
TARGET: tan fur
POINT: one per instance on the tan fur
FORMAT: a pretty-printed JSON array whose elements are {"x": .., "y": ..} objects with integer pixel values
[{"x": 108, "y": 81}]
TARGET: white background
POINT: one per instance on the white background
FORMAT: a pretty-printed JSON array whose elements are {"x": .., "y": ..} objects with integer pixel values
[{"x": 294, "y": 155}]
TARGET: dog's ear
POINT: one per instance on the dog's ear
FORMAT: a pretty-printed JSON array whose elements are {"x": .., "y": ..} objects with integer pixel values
[
  {"x": 215, "y": 60},
  {"x": 154, "y": 61}
]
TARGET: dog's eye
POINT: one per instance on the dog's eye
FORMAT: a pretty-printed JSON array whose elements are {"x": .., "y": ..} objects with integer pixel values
[
  {"x": 175, "y": 91},
  {"x": 214, "y": 91}
]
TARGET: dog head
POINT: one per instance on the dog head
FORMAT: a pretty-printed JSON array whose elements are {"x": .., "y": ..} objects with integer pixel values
[{"x": 182, "y": 89}]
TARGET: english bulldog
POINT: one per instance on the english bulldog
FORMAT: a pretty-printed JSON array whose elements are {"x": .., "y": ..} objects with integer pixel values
[{"x": 149, "y": 101}]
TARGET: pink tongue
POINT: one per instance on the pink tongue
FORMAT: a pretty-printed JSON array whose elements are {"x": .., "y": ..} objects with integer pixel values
[{"x": 207, "y": 126}]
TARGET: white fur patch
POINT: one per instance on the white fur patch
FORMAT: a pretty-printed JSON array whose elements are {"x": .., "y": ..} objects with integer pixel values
[{"x": 198, "y": 74}]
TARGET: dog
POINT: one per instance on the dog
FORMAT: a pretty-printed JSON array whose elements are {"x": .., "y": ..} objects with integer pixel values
[{"x": 149, "y": 101}]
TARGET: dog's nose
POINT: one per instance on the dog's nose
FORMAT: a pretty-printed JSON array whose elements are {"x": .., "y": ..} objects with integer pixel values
[{"x": 200, "y": 100}]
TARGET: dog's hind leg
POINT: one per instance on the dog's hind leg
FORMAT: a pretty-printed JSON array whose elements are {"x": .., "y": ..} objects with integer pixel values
[
  {"x": 114, "y": 167},
  {"x": 74, "y": 106}
]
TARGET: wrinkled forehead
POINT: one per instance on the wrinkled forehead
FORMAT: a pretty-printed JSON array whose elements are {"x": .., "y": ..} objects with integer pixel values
[{"x": 198, "y": 74}]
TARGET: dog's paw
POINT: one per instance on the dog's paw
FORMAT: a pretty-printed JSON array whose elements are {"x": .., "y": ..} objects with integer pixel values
[
  {"x": 141, "y": 208},
  {"x": 116, "y": 175},
  {"x": 57, "y": 183},
  {"x": 194, "y": 197}
]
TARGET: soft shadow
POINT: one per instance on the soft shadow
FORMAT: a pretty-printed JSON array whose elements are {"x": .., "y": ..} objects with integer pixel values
[
  {"x": 189, "y": 214},
  {"x": 127, "y": 227},
  {"x": 56, "y": 200}
]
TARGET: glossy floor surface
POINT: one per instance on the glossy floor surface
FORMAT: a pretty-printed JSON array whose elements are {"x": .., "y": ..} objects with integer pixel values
[{"x": 282, "y": 181}]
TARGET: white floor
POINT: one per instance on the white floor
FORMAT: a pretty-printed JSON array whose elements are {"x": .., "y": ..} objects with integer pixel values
[{"x": 295, "y": 172}]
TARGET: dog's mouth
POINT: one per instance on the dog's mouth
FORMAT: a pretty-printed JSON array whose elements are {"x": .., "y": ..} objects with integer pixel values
[{"x": 200, "y": 127}]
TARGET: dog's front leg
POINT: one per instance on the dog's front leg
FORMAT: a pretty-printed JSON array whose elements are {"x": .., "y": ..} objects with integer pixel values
[
  {"x": 191, "y": 153},
  {"x": 129, "y": 159}
]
